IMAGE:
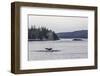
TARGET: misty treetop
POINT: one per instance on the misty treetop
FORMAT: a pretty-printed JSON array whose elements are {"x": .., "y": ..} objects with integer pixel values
[{"x": 41, "y": 33}]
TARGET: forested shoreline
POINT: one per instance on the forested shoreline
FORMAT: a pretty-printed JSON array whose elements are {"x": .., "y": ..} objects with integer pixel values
[{"x": 41, "y": 34}]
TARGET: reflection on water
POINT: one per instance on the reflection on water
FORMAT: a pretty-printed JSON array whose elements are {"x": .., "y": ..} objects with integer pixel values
[{"x": 59, "y": 49}]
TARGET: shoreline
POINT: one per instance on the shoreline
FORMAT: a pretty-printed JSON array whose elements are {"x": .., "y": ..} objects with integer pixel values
[{"x": 73, "y": 39}]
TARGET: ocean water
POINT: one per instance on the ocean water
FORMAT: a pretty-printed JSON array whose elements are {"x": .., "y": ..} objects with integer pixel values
[{"x": 61, "y": 49}]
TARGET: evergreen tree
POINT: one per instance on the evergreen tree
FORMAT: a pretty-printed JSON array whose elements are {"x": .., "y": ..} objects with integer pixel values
[{"x": 41, "y": 33}]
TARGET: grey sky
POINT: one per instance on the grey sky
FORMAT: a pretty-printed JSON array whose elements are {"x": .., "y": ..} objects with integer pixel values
[{"x": 59, "y": 23}]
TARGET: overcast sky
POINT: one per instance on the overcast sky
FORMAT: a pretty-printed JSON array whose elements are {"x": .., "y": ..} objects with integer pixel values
[{"x": 59, "y": 23}]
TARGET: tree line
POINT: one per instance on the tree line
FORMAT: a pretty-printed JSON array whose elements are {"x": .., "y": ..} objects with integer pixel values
[{"x": 41, "y": 33}]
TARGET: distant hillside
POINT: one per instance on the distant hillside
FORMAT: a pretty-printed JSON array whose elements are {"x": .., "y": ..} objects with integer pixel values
[{"x": 74, "y": 34}]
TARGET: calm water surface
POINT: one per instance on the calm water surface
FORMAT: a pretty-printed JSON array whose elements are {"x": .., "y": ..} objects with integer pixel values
[{"x": 62, "y": 49}]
